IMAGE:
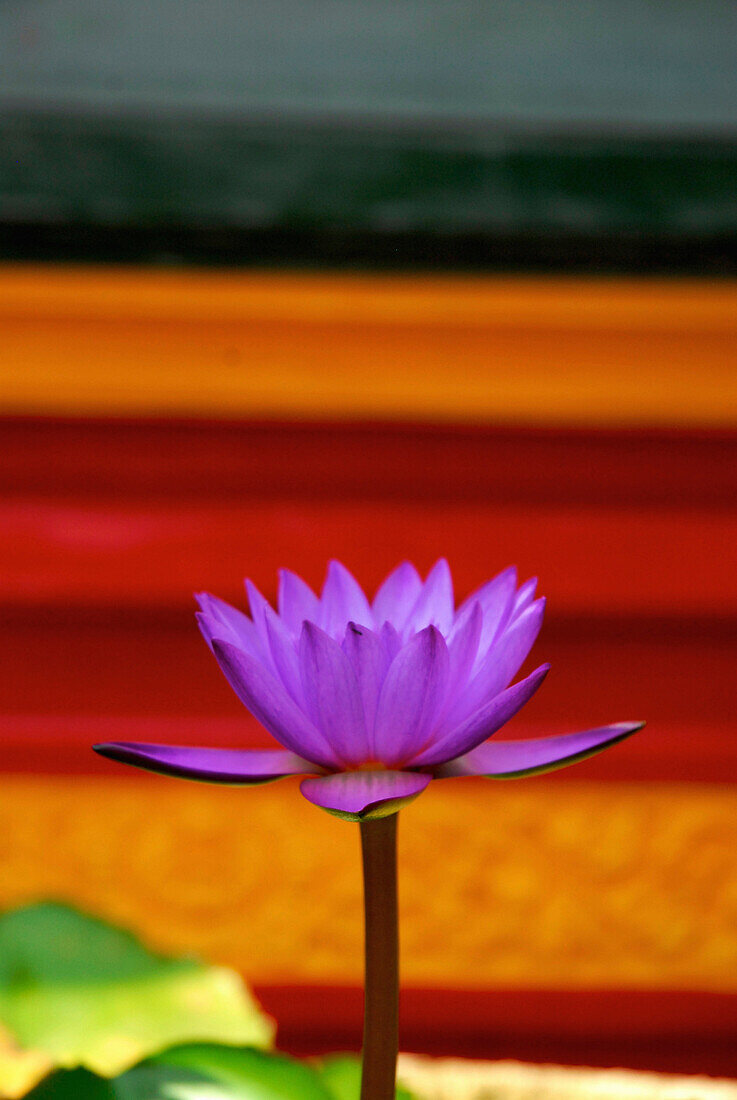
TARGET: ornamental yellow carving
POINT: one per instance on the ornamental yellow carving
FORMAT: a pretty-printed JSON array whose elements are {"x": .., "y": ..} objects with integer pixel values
[{"x": 543, "y": 883}]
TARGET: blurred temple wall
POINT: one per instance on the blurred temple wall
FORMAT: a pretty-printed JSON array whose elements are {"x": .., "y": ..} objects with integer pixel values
[{"x": 286, "y": 283}]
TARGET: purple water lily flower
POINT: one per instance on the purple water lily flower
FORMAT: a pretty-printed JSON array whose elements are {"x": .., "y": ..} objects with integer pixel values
[{"x": 371, "y": 701}]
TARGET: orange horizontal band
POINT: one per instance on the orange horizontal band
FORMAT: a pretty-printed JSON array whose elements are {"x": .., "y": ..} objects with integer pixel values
[
  {"x": 483, "y": 350},
  {"x": 535, "y": 884}
]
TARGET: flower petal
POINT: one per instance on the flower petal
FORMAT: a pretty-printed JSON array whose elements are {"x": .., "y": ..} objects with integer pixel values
[
  {"x": 370, "y": 660},
  {"x": 412, "y": 697},
  {"x": 500, "y": 665},
  {"x": 268, "y": 701},
  {"x": 217, "y": 619},
  {"x": 296, "y": 601},
  {"x": 397, "y": 596},
  {"x": 258, "y": 605},
  {"x": 283, "y": 652},
  {"x": 362, "y": 795},
  {"x": 434, "y": 605},
  {"x": 510, "y": 651},
  {"x": 525, "y": 596},
  {"x": 514, "y": 759},
  {"x": 486, "y": 721},
  {"x": 463, "y": 646},
  {"x": 342, "y": 601},
  {"x": 234, "y": 766},
  {"x": 332, "y": 694},
  {"x": 496, "y": 598},
  {"x": 392, "y": 641}
]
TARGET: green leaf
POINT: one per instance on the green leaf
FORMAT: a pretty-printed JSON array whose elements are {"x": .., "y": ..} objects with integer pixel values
[
  {"x": 75, "y": 1084},
  {"x": 342, "y": 1075},
  {"x": 243, "y": 1074},
  {"x": 80, "y": 992},
  {"x": 200, "y": 1071}
]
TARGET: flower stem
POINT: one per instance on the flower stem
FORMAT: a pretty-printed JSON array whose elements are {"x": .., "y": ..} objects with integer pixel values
[{"x": 381, "y": 990}]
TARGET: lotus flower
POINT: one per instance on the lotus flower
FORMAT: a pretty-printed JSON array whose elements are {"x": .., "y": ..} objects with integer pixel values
[{"x": 372, "y": 700}]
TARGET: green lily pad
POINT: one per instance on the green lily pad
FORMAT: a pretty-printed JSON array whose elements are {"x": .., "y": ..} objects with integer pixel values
[
  {"x": 342, "y": 1075},
  {"x": 75, "y": 1084},
  {"x": 80, "y": 992},
  {"x": 239, "y": 1074},
  {"x": 205, "y": 1071},
  {"x": 199, "y": 1071}
]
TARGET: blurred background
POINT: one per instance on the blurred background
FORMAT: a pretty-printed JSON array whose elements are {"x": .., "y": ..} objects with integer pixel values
[{"x": 290, "y": 281}]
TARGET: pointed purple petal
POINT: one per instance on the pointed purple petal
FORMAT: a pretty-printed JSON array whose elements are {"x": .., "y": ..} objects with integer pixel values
[
  {"x": 496, "y": 598},
  {"x": 342, "y": 601},
  {"x": 268, "y": 701},
  {"x": 483, "y": 723},
  {"x": 332, "y": 694},
  {"x": 258, "y": 605},
  {"x": 392, "y": 641},
  {"x": 434, "y": 605},
  {"x": 397, "y": 595},
  {"x": 283, "y": 651},
  {"x": 524, "y": 597},
  {"x": 235, "y": 766},
  {"x": 514, "y": 759},
  {"x": 296, "y": 601},
  {"x": 217, "y": 619},
  {"x": 511, "y": 649},
  {"x": 500, "y": 665},
  {"x": 362, "y": 795},
  {"x": 412, "y": 697},
  {"x": 370, "y": 661},
  {"x": 463, "y": 646}
]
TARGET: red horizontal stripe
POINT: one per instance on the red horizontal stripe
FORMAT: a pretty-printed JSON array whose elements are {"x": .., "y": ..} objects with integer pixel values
[
  {"x": 688, "y": 1032},
  {"x": 107, "y": 528},
  {"x": 179, "y": 459},
  {"x": 121, "y": 513},
  {"x": 592, "y": 560}
]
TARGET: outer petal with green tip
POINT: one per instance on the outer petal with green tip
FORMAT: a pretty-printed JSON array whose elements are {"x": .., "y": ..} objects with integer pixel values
[
  {"x": 515, "y": 759},
  {"x": 238, "y": 767}
]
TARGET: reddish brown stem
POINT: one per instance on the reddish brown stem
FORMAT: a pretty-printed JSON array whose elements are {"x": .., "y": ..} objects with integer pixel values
[{"x": 381, "y": 992}]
